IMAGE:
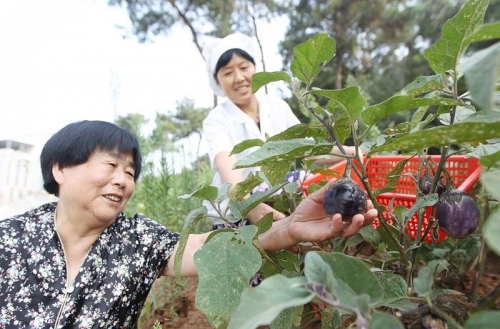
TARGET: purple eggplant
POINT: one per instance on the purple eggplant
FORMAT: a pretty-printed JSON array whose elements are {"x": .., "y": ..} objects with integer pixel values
[
  {"x": 345, "y": 197},
  {"x": 457, "y": 213}
]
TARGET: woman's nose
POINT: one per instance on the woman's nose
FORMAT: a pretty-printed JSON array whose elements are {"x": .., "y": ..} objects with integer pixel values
[
  {"x": 120, "y": 178},
  {"x": 238, "y": 75}
]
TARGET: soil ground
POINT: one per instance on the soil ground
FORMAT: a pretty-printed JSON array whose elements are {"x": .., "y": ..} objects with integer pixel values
[{"x": 180, "y": 311}]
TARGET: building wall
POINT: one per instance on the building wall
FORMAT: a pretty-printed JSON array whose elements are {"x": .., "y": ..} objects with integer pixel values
[{"x": 19, "y": 172}]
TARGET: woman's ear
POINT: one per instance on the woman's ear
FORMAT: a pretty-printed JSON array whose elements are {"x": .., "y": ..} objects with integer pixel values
[{"x": 58, "y": 173}]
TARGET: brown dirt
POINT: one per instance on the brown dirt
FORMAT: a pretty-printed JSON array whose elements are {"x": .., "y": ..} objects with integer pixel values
[{"x": 180, "y": 312}]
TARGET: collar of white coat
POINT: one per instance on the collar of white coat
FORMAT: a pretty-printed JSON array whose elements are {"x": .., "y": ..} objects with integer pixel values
[{"x": 239, "y": 116}]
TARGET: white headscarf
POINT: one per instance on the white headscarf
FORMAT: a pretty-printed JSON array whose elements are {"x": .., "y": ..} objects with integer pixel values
[{"x": 214, "y": 49}]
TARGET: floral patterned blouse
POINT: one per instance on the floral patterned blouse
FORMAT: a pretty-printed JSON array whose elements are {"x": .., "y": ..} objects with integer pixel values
[{"x": 110, "y": 288}]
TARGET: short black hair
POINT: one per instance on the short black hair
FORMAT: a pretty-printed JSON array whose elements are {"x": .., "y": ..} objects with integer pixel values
[
  {"x": 76, "y": 142},
  {"x": 226, "y": 58}
]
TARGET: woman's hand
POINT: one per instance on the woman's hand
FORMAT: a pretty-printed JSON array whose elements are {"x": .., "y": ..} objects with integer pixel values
[{"x": 310, "y": 223}]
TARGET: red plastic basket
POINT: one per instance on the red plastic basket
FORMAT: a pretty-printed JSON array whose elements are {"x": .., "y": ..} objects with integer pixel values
[{"x": 464, "y": 173}]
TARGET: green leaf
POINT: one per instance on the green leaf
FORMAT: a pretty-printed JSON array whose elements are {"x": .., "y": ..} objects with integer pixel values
[
  {"x": 246, "y": 144},
  {"x": 421, "y": 202},
  {"x": 265, "y": 223},
  {"x": 300, "y": 130},
  {"x": 341, "y": 122},
  {"x": 192, "y": 218},
  {"x": 373, "y": 114},
  {"x": 462, "y": 113},
  {"x": 383, "y": 321},
  {"x": 370, "y": 235},
  {"x": 464, "y": 132},
  {"x": 481, "y": 73},
  {"x": 392, "y": 284},
  {"x": 286, "y": 259},
  {"x": 488, "y": 154},
  {"x": 354, "y": 274},
  {"x": 438, "y": 265},
  {"x": 423, "y": 282},
  {"x": 488, "y": 31},
  {"x": 241, "y": 208},
  {"x": 288, "y": 318},
  {"x": 491, "y": 229},
  {"x": 225, "y": 265},
  {"x": 262, "y": 304},
  {"x": 491, "y": 182},
  {"x": 275, "y": 157},
  {"x": 423, "y": 85},
  {"x": 349, "y": 99},
  {"x": 444, "y": 55},
  {"x": 260, "y": 79},
  {"x": 491, "y": 232},
  {"x": 207, "y": 192},
  {"x": 241, "y": 189},
  {"x": 483, "y": 320},
  {"x": 311, "y": 55}
]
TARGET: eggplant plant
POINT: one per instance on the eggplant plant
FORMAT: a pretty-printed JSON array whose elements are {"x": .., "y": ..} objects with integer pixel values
[{"x": 323, "y": 282}]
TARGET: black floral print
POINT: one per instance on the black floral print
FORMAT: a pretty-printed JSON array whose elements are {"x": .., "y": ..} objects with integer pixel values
[{"x": 109, "y": 289}]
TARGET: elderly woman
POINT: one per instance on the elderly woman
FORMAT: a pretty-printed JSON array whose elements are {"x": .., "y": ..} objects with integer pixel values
[
  {"x": 230, "y": 63},
  {"x": 79, "y": 262}
]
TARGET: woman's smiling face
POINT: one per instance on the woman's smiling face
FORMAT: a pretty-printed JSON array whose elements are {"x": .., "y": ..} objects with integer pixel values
[
  {"x": 235, "y": 79},
  {"x": 101, "y": 186}
]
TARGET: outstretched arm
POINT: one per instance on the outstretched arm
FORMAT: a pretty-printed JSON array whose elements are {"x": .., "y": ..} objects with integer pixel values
[{"x": 308, "y": 223}]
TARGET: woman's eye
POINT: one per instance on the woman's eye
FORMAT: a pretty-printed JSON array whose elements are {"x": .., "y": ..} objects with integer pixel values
[{"x": 131, "y": 174}]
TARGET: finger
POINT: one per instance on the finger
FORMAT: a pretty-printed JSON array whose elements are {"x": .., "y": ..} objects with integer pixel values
[
  {"x": 352, "y": 228},
  {"x": 369, "y": 204},
  {"x": 337, "y": 224}
]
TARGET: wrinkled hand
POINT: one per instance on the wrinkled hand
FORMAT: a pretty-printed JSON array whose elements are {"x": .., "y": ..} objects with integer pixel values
[
  {"x": 310, "y": 222},
  {"x": 261, "y": 210}
]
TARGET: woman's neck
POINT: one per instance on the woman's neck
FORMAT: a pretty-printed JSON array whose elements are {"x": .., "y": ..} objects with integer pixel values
[{"x": 251, "y": 109}]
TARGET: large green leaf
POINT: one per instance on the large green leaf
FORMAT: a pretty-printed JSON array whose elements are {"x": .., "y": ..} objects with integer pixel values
[
  {"x": 464, "y": 132},
  {"x": 488, "y": 154},
  {"x": 444, "y": 55},
  {"x": 311, "y": 55},
  {"x": 424, "y": 282},
  {"x": 481, "y": 73},
  {"x": 491, "y": 230},
  {"x": 485, "y": 32},
  {"x": 262, "y": 304},
  {"x": 204, "y": 192},
  {"x": 349, "y": 99},
  {"x": 260, "y": 79},
  {"x": 246, "y": 144},
  {"x": 352, "y": 273},
  {"x": 483, "y": 320},
  {"x": 300, "y": 130},
  {"x": 225, "y": 265},
  {"x": 275, "y": 157},
  {"x": 423, "y": 85},
  {"x": 241, "y": 208},
  {"x": 373, "y": 114},
  {"x": 193, "y": 217},
  {"x": 393, "y": 285}
]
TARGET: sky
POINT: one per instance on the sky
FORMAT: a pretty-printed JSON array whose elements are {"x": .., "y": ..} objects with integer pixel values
[{"x": 66, "y": 60}]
